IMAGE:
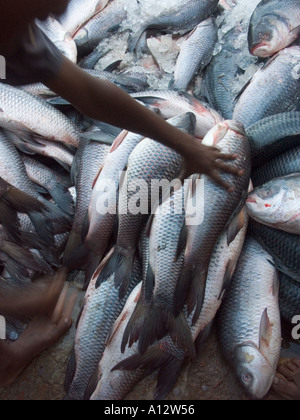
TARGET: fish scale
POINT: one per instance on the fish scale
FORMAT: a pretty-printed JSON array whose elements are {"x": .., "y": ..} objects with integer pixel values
[
  {"x": 273, "y": 89},
  {"x": 283, "y": 246},
  {"x": 101, "y": 308},
  {"x": 219, "y": 209},
  {"x": 23, "y": 112},
  {"x": 274, "y": 25},
  {"x": 249, "y": 320},
  {"x": 163, "y": 163}
]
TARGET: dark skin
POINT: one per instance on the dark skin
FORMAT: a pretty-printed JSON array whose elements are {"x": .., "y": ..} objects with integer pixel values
[
  {"x": 49, "y": 309},
  {"x": 102, "y": 101}
]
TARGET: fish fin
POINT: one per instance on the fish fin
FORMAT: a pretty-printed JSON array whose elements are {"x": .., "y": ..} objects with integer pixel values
[
  {"x": 10, "y": 222},
  {"x": 149, "y": 284},
  {"x": 85, "y": 226},
  {"x": 229, "y": 272},
  {"x": 25, "y": 257},
  {"x": 91, "y": 386},
  {"x": 182, "y": 291},
  {"x": 22, "y": 202},
  {"x": 62, "y": 198},
  {"x": 92, "y": 263},
  {"x": 63, "y": 164},
  {"x": 159, "y": 321},
  {"x": 75, "y": 255},
  {"x": 180, "y": 334},
  {"x": 134, "y": 39},
  {"x": 121, "y": 265},
  {"x": 167, "y": 377},
  {"x": 71, "y": 370},
  {"x": 149, "y": 225},
  {"x": 152, "y": 360},
  {"x": 265, "y": 330},
  {"x": 43, "y": 227},
  {"x": 98, "y": 136},
  {"x": 135, "y": 324},
  {"x": 182, "y": 241},
  {"x": 236, "y": 225},
  {"x": 202, "y": 337},
  {"x": 58, "y": 100},
  {"x": 196, "y": 295},
  {"x": 16, "y": 270}
]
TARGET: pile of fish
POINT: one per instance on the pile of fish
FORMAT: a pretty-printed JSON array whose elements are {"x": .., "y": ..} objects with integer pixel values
[{"x": 163, "y": 260}]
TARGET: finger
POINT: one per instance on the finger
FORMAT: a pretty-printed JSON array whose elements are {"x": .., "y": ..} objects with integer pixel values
[
  {"x": 217, "y": 178},
  {"x": 69, "y": 307},
  {"x": 230, "y": 169},
  {"x": 58, "y": 310},
  {"x": 226, "y": 157}
]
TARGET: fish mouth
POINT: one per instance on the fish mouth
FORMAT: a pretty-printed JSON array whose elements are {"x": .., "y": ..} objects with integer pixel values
[
  {"x": 251, "y": 200},
  {"x": 260, "y": 50}
]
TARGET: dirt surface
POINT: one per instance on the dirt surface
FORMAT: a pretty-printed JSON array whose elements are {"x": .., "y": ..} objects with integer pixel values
[{"x": 207, "y": 378}]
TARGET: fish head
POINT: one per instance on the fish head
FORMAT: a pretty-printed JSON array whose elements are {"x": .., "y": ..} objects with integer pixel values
[
  {"x": 254, "y": 370},
  {"x": 265, "y": 202},
  {"x": 267, "y": 36}
]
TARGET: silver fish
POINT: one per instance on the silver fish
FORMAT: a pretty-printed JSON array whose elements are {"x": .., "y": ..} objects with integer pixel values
[
  {"x": 101, "y": 308},
  {"x": 180, "y": 19},
  {"x": 109, "y": 383},
  {"x": 277, "y": 203},
  {"x": 171, "y": 104},
  {"x": 102, "y": 211},
  {"x": 274, "y": 25},
  {"x": 89, "y": 157},
  {"x": 22, "y": 112},
  {"x": 213, "y": 219},
  {"x": 264, "y": 96},
  {"x": 79, "y": 12},
  {"x": 59, "y": 36},
  {"x": 249, "y": 321},
  {"x": 51, "y": 181},
  {"x": 163, "y": 164},
  {"x": 195, "y": 53}
]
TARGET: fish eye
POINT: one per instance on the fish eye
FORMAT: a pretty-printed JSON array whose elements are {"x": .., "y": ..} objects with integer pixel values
[{"x": 247, "y": 378}]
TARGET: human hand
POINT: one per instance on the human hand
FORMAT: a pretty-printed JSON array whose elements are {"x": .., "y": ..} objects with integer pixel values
[
  {"x": 211, "y": 161},
  {"x": 33, "y": 299}
]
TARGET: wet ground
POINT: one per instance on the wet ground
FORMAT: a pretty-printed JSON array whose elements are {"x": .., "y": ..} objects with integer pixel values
[{"x": 207, "y": 378}]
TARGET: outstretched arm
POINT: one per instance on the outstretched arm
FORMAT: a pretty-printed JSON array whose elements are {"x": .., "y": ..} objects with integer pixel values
[{"x": 101, "y": 100}]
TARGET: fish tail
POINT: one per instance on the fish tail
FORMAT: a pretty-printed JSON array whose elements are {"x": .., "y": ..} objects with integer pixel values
[
  {"x": 167, "y": 377},
  {"x": 24, "y": 257},
  {"x": 135, "y": 324},
  {"x": 56, "y": 214},
  {"x": 62, "y": 197},
  {"x": 12, "y": 201},
  {"x": 43, "y": 227},
  {"x": 197, "y": 294},
  {"x": 160, "y": 322},
  {"x": 75, "y": 255},
  {"x": 156, "y": 358},
  {"x": 121, "y": 265},
  {"x": 71, "y": 370},
  {"x": 133, "y": 40},
  {"x": 190, "y": 290}
]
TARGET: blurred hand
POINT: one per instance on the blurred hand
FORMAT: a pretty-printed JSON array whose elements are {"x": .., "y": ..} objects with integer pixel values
[{"x": 38, "y": 298}]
